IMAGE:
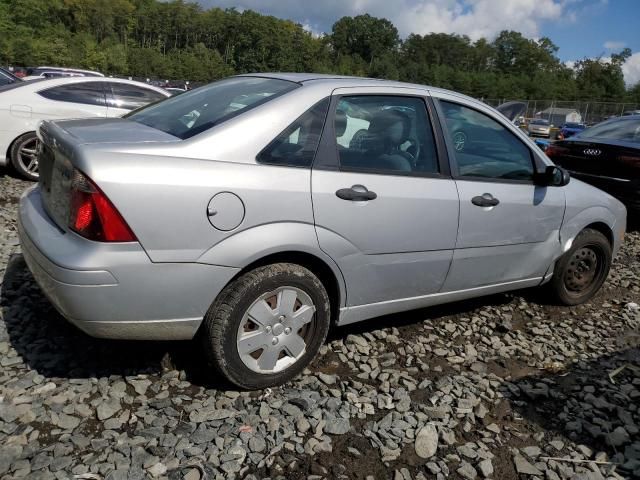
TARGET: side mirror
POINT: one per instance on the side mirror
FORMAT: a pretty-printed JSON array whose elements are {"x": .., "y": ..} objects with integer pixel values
[{"x": 554, "y": 176}]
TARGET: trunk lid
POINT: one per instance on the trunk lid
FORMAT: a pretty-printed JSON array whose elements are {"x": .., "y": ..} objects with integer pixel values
[
  {"x": 596, "y": 158},
  {"x": 512, "y": 110},
  {"x": 63, "y": 142}
]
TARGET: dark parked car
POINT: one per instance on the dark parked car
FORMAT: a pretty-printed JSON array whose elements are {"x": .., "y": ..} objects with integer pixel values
[
  {"x": 7, "y": 78},
  {"x": 570, "y": 129},
  {"x": 607, "y": 156}
]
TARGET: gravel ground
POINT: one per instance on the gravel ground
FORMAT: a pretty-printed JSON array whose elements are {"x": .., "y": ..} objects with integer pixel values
[{"x": 501, "y": 387}]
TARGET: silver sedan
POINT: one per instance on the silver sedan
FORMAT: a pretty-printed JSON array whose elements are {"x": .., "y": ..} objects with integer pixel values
[
  {"x": 539, "y": 128},
  {"x": 256, "y": 212}
]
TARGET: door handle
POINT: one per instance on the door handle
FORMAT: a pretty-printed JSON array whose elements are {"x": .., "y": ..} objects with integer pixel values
[
  {"x": 357, "y": 193},
  {"x": 485, "y": 200}
]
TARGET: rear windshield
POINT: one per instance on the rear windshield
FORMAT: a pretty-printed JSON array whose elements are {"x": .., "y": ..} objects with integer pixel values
[
  {"x": 627, "y": 129},
  {"x": 574, "y": 125},
  {"x": 194, "y": 112}
]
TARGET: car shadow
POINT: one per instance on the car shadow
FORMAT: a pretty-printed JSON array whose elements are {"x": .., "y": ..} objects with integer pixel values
[
  {"x": 633, "y": 222},
  {"x": 7, "y": 171},
  {"x": 587, "y": 401},
  {"x": 53, "y": 347},
  {"x": 417, "y": 317}
]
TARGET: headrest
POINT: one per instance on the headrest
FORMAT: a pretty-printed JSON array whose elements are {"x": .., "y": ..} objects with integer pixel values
[
  {"x": 341, "y": 123},
  {"x": 384, "y": 119}
]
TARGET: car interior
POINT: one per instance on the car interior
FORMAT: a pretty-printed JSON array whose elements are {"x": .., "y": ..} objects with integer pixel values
[{"x": 384, "y": 134}]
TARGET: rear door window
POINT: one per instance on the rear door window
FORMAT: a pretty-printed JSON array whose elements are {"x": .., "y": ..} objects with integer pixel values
[
  {"x": 130, "y": 97},
  {"x": 88, "y": 93},
  {"x": 193, "y": 112}
]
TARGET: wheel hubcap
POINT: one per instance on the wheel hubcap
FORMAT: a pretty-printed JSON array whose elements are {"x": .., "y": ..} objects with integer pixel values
[
  {"x": 28, "y": 156},
  {"x": 275, "y": 330},
  {"x": 583, "y": 267}
]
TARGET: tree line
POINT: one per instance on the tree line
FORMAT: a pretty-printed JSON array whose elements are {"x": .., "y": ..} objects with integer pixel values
[{"x": 181, "y": 40}]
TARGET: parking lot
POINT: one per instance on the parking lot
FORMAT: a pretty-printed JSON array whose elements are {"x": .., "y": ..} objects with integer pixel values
[{"x": 503, "y": 387}]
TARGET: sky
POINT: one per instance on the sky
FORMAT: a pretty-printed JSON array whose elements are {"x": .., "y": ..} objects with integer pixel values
[{"x": 580, "y": 28}]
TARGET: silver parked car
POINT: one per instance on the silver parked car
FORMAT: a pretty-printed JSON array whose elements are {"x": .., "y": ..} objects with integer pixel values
[
  {"x": 539, "y": 128},
  {"x": 255, "y": 212}
]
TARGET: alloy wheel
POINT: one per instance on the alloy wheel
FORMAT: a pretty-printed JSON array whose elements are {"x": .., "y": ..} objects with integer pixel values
[{"x": 28, "y": 156}]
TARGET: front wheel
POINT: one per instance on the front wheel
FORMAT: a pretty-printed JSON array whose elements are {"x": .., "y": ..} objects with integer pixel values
[
  {"x": 581, "y": 271},
  {"x": 267, "y": 325}
]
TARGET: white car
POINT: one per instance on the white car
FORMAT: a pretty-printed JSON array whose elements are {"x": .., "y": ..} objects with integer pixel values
[
  {"x": 23, "y": 105},
  {"x": 57, "y": 72}
]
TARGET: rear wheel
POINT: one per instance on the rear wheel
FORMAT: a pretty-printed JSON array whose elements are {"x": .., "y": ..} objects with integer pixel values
[
  {"x": 581, "y": 271},
  {"x": 267, "y": 325},
  {"x": 24, "y": 155}
]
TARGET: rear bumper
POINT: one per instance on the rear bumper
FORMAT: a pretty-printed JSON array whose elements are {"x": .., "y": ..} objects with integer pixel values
[{"x": 114, "y": 290}]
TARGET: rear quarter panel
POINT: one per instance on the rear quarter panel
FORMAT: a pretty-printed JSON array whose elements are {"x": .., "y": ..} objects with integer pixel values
[{"x": 164, "y": 200}]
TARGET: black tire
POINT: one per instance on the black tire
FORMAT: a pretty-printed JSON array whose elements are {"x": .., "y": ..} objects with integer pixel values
[
  {"x": 581, "y": 271},
  {"x": 220, "y": 329},
  {"x": 16, "y": 153}
]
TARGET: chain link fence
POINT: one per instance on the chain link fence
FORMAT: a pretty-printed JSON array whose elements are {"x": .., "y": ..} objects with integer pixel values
[{"x": 559, "y": 112}]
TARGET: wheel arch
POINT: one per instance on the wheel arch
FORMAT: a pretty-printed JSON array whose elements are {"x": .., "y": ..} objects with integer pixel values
[
  {"x": 287, "y": 242},
  {"x": 332, "y": 280},
  {"x": 604, "y": 229},
  {"x": 7, "y": 154},
  {"x": 598, "y": 218}
]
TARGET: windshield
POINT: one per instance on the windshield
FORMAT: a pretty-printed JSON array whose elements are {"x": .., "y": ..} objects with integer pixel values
[
  {"x": 8, "y": 76},
  {"x": 573, "y": 125},
  {"x": 540, "y": 122},
  {"x": 627, "y": 129},
  {"x": 193, "y": 112}
]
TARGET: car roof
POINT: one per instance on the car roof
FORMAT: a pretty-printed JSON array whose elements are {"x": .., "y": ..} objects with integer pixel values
[
  {"x": 46, "y": 68},
  {"x": 54, "y": 82},
  {"x": 338, "y": 81},
  {"x": 625, "y": 118}
]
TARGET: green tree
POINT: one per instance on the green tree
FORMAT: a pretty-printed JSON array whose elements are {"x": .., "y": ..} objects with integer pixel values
[
  {"x": 602, "y": 79},
  {"x": 179, "y": 39},
  {"x": 366, "y": 36}
]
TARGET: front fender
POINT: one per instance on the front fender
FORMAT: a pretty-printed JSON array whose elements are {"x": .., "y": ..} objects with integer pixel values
[
  {"x": 248, "y": 246},
  {"x": 572, "y": 226}
]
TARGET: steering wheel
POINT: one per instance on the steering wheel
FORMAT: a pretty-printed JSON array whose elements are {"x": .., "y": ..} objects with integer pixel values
[
  {"x": 412, "y": 152},
  {"x": 459, "y": 140}
]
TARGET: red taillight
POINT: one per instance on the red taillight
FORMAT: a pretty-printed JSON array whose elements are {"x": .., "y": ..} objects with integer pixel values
[
  {"x": 555, "y": 150},
  {"x": 631, "y": 160},
  {"x": 93, "y": 216}
]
